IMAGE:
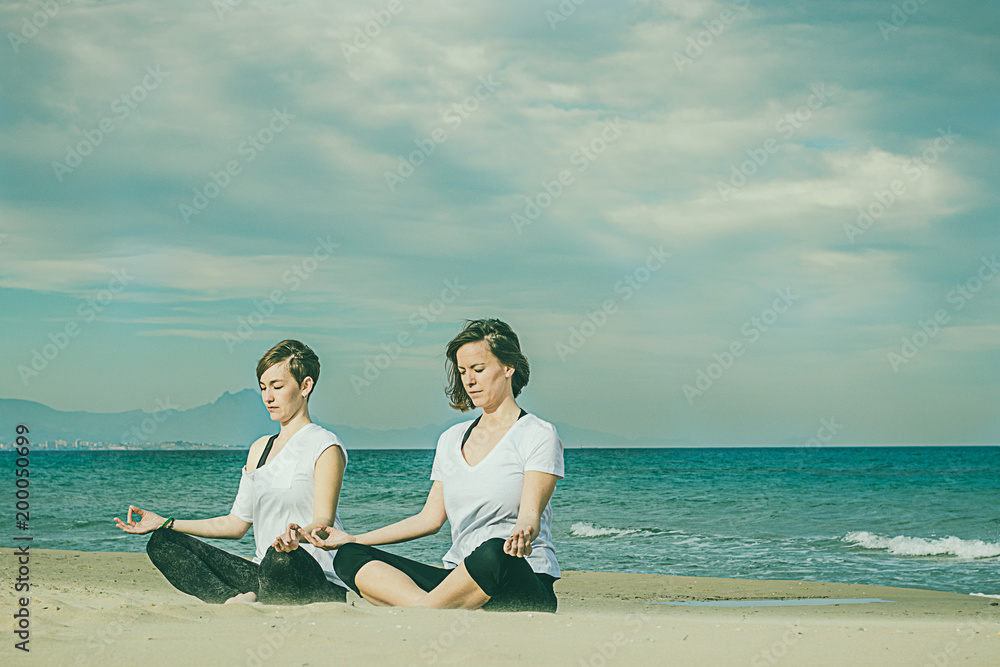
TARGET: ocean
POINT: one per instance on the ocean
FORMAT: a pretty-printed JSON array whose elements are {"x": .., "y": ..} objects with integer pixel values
[{"x": 922, "y": 517}]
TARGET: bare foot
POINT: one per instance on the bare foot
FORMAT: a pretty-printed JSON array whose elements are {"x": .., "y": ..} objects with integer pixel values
[{"x": 244, "y": 598}]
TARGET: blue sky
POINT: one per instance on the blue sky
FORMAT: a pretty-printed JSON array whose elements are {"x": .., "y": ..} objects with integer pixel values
[{"x": 708, "y": 221}]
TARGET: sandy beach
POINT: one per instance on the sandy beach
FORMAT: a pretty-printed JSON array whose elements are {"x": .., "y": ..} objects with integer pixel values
[{"x": 116, "y": 609}]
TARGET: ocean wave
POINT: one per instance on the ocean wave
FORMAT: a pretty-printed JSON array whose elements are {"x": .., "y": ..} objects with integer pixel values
[
  {"x": 985, "y": 595},
  {"x": 921, "y": 546},
  {"x": 586, "y": 529}
]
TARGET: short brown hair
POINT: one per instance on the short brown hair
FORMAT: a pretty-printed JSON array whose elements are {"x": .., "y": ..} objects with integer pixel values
[
  {"x": 504, "y": 345},
  {"x": 302, "y": 361}
]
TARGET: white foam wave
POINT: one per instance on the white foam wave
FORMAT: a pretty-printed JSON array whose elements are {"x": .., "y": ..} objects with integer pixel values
[
  {"x": 921, "y": 546},
  {"x": 985, "y": 595},
  {"x": 586, "y": 529},
  {"x": 583, "y": 529}
]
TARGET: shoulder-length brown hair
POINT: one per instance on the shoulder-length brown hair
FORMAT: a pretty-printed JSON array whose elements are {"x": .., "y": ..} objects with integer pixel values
[{"x": 504, "y": 345}]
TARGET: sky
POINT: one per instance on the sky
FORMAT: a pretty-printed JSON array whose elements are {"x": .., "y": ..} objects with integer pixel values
[{"x": 723, "y": 223}]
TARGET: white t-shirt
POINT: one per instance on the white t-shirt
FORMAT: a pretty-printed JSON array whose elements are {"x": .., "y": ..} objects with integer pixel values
[
  {"x": 482, "y": 501},
  {"x": 281, "y": 492}
]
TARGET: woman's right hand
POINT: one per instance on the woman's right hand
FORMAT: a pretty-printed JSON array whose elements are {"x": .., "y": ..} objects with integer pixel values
[
  {"x": 149, "y": 522},
  {"x": 289, "y": 540},
  {"x": 519, "y": 542},
  {"x": 334, "y": 540}
]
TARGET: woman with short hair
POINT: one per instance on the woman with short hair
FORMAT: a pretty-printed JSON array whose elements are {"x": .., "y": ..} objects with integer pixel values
[
  {"x": 493, "y": 479},
  {"x": 292, "y": 476}
]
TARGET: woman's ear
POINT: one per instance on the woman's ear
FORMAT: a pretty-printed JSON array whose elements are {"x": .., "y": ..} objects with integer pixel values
[{"x": 307, "y": 386}]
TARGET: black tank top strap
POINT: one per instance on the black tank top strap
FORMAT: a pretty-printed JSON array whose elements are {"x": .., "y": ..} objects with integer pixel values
[
  {"x": 267, "y": 450},
  {"x": 469, "y": 431},
  {"x": 465, "y": 438}
]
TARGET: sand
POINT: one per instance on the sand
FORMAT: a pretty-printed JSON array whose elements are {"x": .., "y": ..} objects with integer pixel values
[{"x": 116, "y": 609}]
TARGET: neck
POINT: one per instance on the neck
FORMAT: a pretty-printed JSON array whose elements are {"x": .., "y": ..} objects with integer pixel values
[
  {"x": 502, "y": 415},
  {"x": 293, "y": 425}
]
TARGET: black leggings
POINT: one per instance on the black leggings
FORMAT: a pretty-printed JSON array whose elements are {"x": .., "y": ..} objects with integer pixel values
[
  {"x": 509, "y": 581},
  {"x": 214, "y": 575}
]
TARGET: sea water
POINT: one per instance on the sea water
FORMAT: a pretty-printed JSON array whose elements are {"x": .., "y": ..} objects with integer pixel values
[{"x": 923, "y": 517}]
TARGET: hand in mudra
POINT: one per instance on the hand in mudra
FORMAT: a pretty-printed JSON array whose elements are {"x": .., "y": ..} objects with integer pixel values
[
  {"x": 148, "y": 521},
  {"x": 289, "y": 540},
  {"x": 334, "y": 539},
  {"x": 519, "y": 543}
]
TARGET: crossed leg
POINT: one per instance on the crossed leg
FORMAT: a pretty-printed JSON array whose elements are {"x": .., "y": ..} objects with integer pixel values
[
  {"x": 385, "y": 579},
  {"x": 385, "y": 586},
  {"x": 216, "y": 576}
]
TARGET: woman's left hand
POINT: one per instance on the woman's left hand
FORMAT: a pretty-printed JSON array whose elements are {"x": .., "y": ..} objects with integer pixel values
[
  {"x": 288, "y": 540},
  {"x": 519, "y": 543},
  {"x": 148, "y": 521}
]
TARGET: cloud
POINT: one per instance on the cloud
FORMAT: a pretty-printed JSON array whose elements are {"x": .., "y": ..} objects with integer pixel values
[{"x": 833, "y": 113}]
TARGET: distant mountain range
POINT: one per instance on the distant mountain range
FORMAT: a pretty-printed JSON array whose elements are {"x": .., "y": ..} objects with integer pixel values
[{"x": 236, "y": 420}]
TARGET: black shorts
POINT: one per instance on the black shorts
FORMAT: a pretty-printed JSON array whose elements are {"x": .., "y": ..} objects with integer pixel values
[{"x": 508, "y": 580}]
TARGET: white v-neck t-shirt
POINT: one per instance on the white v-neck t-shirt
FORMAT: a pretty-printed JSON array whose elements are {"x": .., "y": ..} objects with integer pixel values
[
  {"x": 282, "y": 490},
  {"x": 482, "y": 501}
]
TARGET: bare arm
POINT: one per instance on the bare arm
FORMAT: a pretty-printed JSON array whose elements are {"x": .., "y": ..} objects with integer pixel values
[
  {"x": 427, "y": 522},
  {"x": 327, "y": 480},
  {"x": 535, "y": 495},
  {"x": 225, "y": 527},
  {"x": 329, "y": 477}
]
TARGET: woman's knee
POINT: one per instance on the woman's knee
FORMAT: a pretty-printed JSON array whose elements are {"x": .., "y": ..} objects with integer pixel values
[
  {"x": 273, "y": 555},
  {"x": 488, "y": 556},
  {"x": 277, "y": 561},
  {"x": 350, "y": 558},
  {"x": 159, "y": 539},
  {"x": 489, "y": 566}
]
